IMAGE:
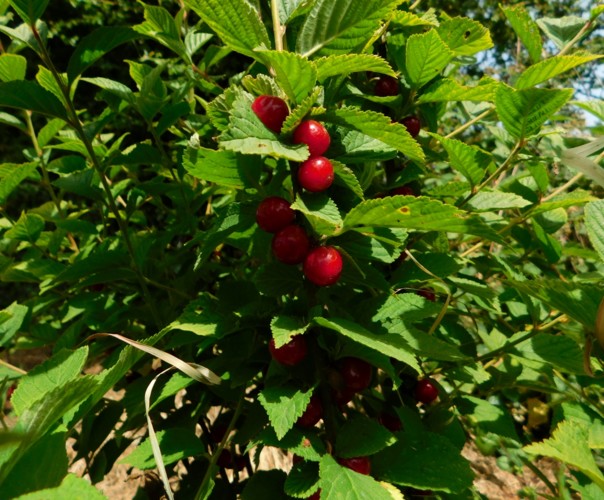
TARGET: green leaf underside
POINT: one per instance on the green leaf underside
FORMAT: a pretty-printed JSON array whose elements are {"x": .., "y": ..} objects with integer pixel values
[
  {"x": 490, "y": 201},
  {"x": 526, "y": 29},
  {"x": 336, "y": 479},
  {"x": 236, "y": 22},
  {"x": 550, "y": 68},
  {"x": 284, "y": 405}
]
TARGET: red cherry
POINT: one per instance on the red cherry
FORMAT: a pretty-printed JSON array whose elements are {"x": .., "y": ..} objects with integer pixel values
[
  {"x": 403, "y": 190},
  {"x": 356, "y": 373},
  {"x": 323, "y": 266},
  {"x": 271, "y": 110},
  {"x": 362, "y": 465},
  {"x": 427, "y": 294},
  {"x": 426, "y": 391},
  {"x": 274, "y": 213},
  {"x": 342, "y": 396},
  {"x": 315, "y": 496},
  {"x": 412, "y": 124},
  {"x": 312, "y": 414},
  {"x": 290, "y": 245},
  {"x": 314, "y": 135},
  {"x": 291, "y": 353},
  {"x": 386, "y": 86},
  {"x": 390, "y": 421},
  {"x": 316, "y": 174}
]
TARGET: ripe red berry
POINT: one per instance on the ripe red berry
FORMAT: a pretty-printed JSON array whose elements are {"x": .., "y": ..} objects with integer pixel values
[
  {"x": 291, "y": 353},
  {"x": 403, "y": 190},
  {"x": 291, "y": 244},
  {"x": 316, "y": 174},
  {"x": 390, "y": 421},
  {"x": 323, "y": 266},
  {"x": 386, "y": 86},
  {"x": 271, "y": 110},
  {"x": 312, "y": 414},
  {"x": 315, "y": 496},
  {"x": 427, "y": 294},
  {"x": 356, "y": 373},
  {"x": 274, "y": 213},
  {"x": 412, "y": 124},
  {"x": 426, "y": 391},
  {"x": 362, "y": 465},
  {"x": 314, "y": 135}
]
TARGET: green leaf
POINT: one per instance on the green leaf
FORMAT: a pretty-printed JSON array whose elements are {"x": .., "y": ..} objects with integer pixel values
[
  {"x": 551, "y": 247},
  {"x": 490, "y": 201},
  {"x": 419, "y": 213},
  {"x": 113, "y": 87},
  {"x": 321, "y": 212},
  {"x": 351, "y": 63},
  {"x": 408, "y": 19},
  {"x": 380, "y": 244},
  {"x": 175, "y": 444},
  {"x": 426, "y": 56},
  {"x": 578, "y": 158},
  {"x": 95, "y": 45},
  {"x": 465, "y": 37},
  {"x": 487, "y": 416},
  {"x": 296, "y": 75},
  {"x": 595, "y": 107},
  {"x": 569, "y": 444},
  {"x": 284, "y": 405},
  {"x": 470, "y": 161},
  {"x": 224, "y": 168},
  {"x": 561, "y": 30},
  {"x": 345, "y": 177},
  {"x": 392, "y": 345},
  {"x": 523, "y": 112},
  {"x": 54, "y": 372},
  {"x": 551, "y": 68},
  {"x": 378, "y": 126},
  {"x": 11, "y": 320},
  {"x": 72, "y": 487},
  {"x": 199, "y": 317},
  {"x": 412, "y": 462},
  {"x": 247, "y": 134},
  {"x": 299, "y": 112},
  {"x": 339, "y": 482},
  {"x": 577, "y": 197},
  {"x": 29, "y": 95},
  {"x": 361, "y": 436},
  {"x": 302, "y": 480},
  {"x": 29, "y": 227},
  {"x": 236, "y": 22},
  {"x": 276, "y": 279},
  {"x": 289, "y": 9},
  {"x": 265, "y": 484},
  {"x": 578, "y": 301},
  {"x": 284, "y": 328},
  {"x": 29, "y": 10},
  {"x": 526, "y": 29},
  {"x": 559, "y": 351},
  {"x": 448, "y": 90},
  {"x": 594, "y": 222},
  {"x": 161, "y": 26},
  {"x": 306, "y": 445},
  {"x": 12, "y": 175},
  {"x": 13, "y": 121},
  {"x": 12, "y": 67},
  {"x": 341, "y": 26}
]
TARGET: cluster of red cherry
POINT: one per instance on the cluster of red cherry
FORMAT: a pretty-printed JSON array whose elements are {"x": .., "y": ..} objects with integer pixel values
[{"x": 291, "y": 245}]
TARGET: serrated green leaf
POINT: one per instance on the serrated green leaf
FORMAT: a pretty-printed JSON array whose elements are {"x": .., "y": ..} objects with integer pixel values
[
  {"x": 490, "y": 201},
  {"x": 470, "y": 161},
  {"x": 523, "y": 112},
  {"x": 95, "y": 45},
  {"x": 299, "y": 112},
  {"x": 404, "y": 18},
  {"x": 411, "y": 462},
  {"x": 175, "y": 444},
  {"x": 550, "y": 68},
  {"x": 161, "y": 26},
  {"x": 29, "y": 95},
  {"x": 260, "y": 85},
  {"x": 487, "y": 416},
  {"x": 351, "y": 63},
  {"x": 12, "y": 67},
  {"x": 595, "y": 107},
  {"x": 426, "y": 56},
  {"x": 296, "y": 75},
  {"x": 72, "y": 487},
  {"x": 526, "y": 29},
  {"x": 284, "y": 328},
  {"x": 594, "y": 223},
  {"x": 389, "y": 344},
  {"x": 378, "y": 126},
  {"x": 306, "y": 445},
  {"x": 320, "y": 211},
  {"x": 577, "y": 197},
  {"x": 47, "y": 80},
  {"x": 224, "y": 168},
  {"x": 551, "y": 247},
  {"x": 29, "y": 10},
  {"x": 356, "y": 147},
  {"x": 11, "y": 320},
  {"x": 345, "y": 177},
  {"x": 219, "y": 109},
  {"x": 276, "y": 279},
  {"x": 361, "y": 436},
  {"x": 247, "y": 134},
  {"x": 464, "y": 36},
  {"x": 448, "y": 90},
  {"x": 561, "y": 30},
  {"x": 569, "y": 444},
  {"x": 559, "y": 351},
  {"x": 419, "y": 213},
  {"x": 380, "y": 244},
  {"x": 284, "y": 405},
  {"x": 340, "y": 26},
  {"x": 302, "y": 480},
  {"x": 339, "y": 482},
  {"x": 113, "y": 87},
  {"x": 12, "y": 175},
  {"x": 290, "y": 9},
  {"x": 236, "y": 22},
  {"x": 27, "y": 228}
]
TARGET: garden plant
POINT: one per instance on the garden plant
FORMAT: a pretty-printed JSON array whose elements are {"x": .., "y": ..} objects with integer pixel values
[{"x": 367, "y": 234}]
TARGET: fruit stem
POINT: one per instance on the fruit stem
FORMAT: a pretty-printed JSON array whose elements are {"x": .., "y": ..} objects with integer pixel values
[{"x": 278, "y": 28}]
